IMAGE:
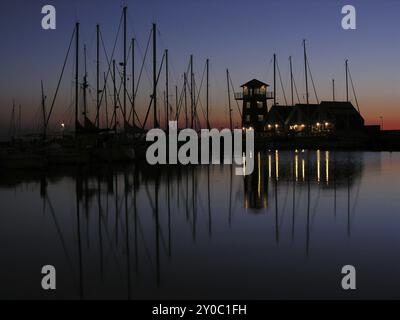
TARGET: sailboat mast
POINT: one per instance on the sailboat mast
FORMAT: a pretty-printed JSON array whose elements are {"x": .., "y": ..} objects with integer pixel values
[
  {"x": 291, "y": 79},
  {"x": 176, "y": 103},
  {"x": 274, "y": 79},
  {"x": 207, "y": 94},
  {"x": 85, "y": 85},
  {"x": 333, "y": 90},
  {"x": 133, "y": 82},
  {"x": 155, "y": 75},
  {"x": 185, "y": 93},
  {"x": 347, "y": 80},
  {"x": 124, "y": 66},
  {"x": 98, "y": 75},
  {"x": 43, "y": 111},
  {"x": 76, "y": 76},
  {"x": 191, "y": 90},
  {"x": 305, "y": 69},
  {"x": 115, "y": 98},
  {"x": 229, "y": 100},
  {"x": 166, "y": 87}
]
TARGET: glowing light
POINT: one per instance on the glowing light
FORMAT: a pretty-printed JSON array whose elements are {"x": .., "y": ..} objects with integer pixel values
[
  {"x": 327, "y": 166},
  {"x": 326, "y": 124},
  {"x": 318, "y": 124},
  {"x": 269, "y": 166}
]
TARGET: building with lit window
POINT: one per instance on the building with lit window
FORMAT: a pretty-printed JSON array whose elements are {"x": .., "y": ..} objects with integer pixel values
[{"x": 254, "y": 95}]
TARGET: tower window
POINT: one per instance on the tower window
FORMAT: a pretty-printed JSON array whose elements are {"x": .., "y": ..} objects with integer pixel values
[
  {"x": 248, "y": 105},
  {"x": 259, "y": 104}
]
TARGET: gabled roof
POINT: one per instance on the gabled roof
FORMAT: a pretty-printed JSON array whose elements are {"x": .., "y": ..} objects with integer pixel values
[
  {"x": 339, "y": 107},
  {"x": 254, "y": 84},
  {"x": 280, "y": 111}
]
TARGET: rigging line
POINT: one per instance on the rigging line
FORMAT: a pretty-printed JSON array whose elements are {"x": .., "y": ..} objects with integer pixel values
[
  {"x": 152, "y": 97},
  {"x": 295, "y": 88},
  {"x": 108, "y": 60},
  {"x": 312, "y": 81},
  {"x": 143, "y": 64},
  {"x": 59, "y": 80},
  {"x": 198, "y": 93},
  {"x": 180, "y": 103},
  {"x": 354, "y": 91},
  {"x": 182, "y": 92},
  {"x": 138, "y": 44},
  {"x": 280, "y": 78},
  {"x": 233, "y": 89}
]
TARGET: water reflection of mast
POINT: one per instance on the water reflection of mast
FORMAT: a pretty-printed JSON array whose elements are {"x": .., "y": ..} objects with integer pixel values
[
  {"x": 128, "y": 262},
  {"x": 169, "y": 215},
  {"x": 348, "y": 195},
  {"x": 276, "y": 196},
  {"x": 308, "y": 203},
  {"x": 295, "y": 177},
  {"x": 194, "y": 205},
  {"x": 334, "y": 183},
  {"x": 99, "y": 227},
  {"x": 116, "y": 210},
  {"x": 135, "y": 176},
  {"x": 156, "y": 189},
  {"x": 78, "y": 192},
  {"x": 230, "y": 196},
  {"x": 209, "y": 202}
]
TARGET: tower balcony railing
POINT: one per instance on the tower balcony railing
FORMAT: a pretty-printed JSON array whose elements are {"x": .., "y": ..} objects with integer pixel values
[{"x": 262, "y": 95}]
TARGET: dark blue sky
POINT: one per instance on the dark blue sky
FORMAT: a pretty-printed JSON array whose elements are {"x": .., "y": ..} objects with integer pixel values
[{"x": 239, "y": 35}]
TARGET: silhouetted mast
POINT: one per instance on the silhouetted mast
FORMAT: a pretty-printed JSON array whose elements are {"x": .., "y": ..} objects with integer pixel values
[
  {"x": 274, "y": 79},
  {"x": 44, "y": 112},
  {"x": 191, "y": 90},
  {"x": 305, "y": 68},
  {"x": 347, "y": 80},
  {"x": 166, "y": 87},
  {"x": 115, "y": 98},
  {"x": 124, "y": 66},
  {"x": 77, "y": 76},
  {"x": 207, "y": 94},
  {"x": 185, "y": 93},
  {"x": 85, "y": 85},
  {"x": 133, "y": 83},
  {"x": 291, "y": 79},
  {"x": 155, "y": 75},
  {"x": 229, "y": 100},
  {"x": 333, "y": 90},
  {"x": 98, "y": 75}
]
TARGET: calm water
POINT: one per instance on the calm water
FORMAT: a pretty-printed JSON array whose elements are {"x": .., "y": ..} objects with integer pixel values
[{"x": 202, "y": 232}]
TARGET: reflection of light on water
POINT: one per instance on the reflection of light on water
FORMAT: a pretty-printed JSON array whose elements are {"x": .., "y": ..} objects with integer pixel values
[
  {"x": 327, "y": 166},
  {"x": 318, "y": 165},
  {"x": 296, "y": 163},
  {"x": 303, "y": 169},
  {"x": 244, "y": 163},
  {"x": 277, "y": 164},
  {"x": 269, "y": 166}
]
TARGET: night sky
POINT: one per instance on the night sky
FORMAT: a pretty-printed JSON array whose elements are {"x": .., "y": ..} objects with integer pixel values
[{"x": 239, "y": 35}]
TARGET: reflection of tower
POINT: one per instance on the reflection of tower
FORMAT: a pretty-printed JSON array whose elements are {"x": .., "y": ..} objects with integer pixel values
[{"x": 256, "y": 185}]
